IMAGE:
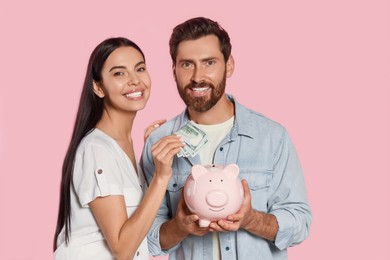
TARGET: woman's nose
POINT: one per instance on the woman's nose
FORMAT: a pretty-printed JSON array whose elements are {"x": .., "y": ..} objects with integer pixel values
[{"x": 133, "y": 80}]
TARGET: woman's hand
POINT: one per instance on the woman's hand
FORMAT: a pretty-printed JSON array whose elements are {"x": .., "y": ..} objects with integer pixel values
[
  {"x": 153, "y": 126},
  {"x": 163, "y": 152}
]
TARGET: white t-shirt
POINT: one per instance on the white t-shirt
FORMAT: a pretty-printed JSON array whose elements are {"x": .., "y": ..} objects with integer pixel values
[
  {"x": 101, "y": 169},
  {"x": 215, "y": 134}
]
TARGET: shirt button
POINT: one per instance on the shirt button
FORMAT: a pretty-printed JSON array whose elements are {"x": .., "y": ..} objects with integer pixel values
[
  {"x": 175, "y": 185},
  {"x": 137, "y": 253},
  {"x": 221, "y": 149},
  {"x": 227, "y": 248},
  {"x": 100, "y": 171}
]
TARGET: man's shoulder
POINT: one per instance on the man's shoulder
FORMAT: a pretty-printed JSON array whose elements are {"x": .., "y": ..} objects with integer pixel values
[{"x": 259, "y": 120}]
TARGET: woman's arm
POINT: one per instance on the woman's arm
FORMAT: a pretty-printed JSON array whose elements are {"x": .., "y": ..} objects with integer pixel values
[{"x": 123, "y": 234}]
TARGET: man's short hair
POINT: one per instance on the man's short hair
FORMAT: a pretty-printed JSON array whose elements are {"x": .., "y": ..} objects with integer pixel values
[{"x": 196, "y": 28}]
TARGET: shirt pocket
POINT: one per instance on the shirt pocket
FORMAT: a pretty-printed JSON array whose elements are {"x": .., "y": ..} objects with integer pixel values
[
  {"x": 175, "y": 186},
  {"x": 176, "y": 183},
  {"x": 259, "y": 182}
]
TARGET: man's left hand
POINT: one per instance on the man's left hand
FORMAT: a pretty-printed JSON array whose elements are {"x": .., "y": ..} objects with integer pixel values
[{"x": 238, "y": 220}]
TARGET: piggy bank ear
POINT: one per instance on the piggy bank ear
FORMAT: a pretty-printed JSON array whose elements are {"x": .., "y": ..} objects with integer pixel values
[
  {"x": 233, "y": 170},
  {"x": 197, "y": 171}
]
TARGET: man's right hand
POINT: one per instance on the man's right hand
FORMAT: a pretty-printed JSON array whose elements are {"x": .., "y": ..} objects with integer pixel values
[
  {"x": 186, "y": 221},
  {"x": 183, "y": 224}
]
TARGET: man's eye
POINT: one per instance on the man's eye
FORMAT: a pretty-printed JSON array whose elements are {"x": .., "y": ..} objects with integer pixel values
[
  {"x": 210, "y": 62},
  {"x": 141, "y": 69},
  {"x": 186, "y": 65}
]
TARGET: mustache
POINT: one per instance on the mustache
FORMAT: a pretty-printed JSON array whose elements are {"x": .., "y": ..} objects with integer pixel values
[{"x": 199, "y": 85}]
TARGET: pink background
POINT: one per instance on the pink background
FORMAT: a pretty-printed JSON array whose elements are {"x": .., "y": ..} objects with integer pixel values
[{"x": 320, "y": 68}]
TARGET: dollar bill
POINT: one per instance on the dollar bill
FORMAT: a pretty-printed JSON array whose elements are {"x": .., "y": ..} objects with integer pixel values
[{"x": 194, "y": 139}]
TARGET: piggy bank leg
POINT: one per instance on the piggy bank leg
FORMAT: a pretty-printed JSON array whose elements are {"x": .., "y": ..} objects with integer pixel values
[{"x": 204, "y": 222}]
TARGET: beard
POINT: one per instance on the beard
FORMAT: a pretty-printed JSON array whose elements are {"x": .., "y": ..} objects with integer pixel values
[{"x": 205, "y": 103}]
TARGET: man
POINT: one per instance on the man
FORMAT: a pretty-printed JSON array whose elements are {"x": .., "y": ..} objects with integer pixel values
[{"x": 275, "y": 213}]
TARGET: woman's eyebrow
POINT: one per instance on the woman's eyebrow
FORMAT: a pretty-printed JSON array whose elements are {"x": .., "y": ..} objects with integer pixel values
[
  {"x": 124, "y": 67},
  {"x": 117, "y": 67},
  {"x": 139, "y": 63}
]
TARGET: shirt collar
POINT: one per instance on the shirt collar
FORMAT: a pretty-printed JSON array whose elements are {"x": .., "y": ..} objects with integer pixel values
[{"x": 243, "y": 124}]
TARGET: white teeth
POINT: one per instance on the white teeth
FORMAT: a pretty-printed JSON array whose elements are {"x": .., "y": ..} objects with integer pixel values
[
  {"x": 199, "y": 89},
  {"x": 134, "y": 94}
]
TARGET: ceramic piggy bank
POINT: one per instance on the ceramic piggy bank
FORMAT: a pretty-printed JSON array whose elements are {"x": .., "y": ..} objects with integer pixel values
[{"x": 213, "y": 192}]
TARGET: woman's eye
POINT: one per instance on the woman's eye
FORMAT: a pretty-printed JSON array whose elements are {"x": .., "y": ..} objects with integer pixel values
[{"x": 119, "y": 73}]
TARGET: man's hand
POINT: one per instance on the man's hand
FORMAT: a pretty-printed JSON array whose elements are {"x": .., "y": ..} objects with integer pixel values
[
  {"x": 258, "y": 223},
  {"x": 186, "y": 221},
  {"x": 182, "y": 225},
  {"x": 238, "y": 220}
]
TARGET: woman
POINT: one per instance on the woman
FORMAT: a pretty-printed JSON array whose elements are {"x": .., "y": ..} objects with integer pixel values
[{"x": 101, "y": 214}]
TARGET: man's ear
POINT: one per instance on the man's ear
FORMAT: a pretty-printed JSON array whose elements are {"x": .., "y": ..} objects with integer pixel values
[
  {"x": 173, "y": 71},
  {"x": 98, "y": 89},
  {"x": 230, "y": 66}
]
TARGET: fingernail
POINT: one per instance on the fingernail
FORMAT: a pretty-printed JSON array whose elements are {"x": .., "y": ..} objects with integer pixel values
[
  {"x": 181, "y": 138},
  {"x": 156, "y": 125}
]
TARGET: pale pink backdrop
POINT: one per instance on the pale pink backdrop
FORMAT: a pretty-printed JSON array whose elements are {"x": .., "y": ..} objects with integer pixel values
[{"x": 320, "y": 68}]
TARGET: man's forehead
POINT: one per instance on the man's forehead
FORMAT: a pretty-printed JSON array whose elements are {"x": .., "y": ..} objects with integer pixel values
[{"x": 206, "y": 46}]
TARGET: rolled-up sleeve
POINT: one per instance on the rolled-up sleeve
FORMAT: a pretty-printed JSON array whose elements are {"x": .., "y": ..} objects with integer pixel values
[
  {"x": 96, "y": 174},
  {"x": 288, "y": 201}
]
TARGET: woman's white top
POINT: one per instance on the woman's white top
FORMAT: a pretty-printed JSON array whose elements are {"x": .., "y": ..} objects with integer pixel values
[{"x": 101, "y": 169}]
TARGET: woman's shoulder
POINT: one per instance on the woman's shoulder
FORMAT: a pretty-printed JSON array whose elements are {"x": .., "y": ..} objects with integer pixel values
[{"x": 96, "y": 140}]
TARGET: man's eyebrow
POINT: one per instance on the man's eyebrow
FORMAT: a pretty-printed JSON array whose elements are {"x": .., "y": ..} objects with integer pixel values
[
  {"x": 186, "y": 60},
  {"x": 202, "y": 60},
  {"x": 209, "y": 58}
]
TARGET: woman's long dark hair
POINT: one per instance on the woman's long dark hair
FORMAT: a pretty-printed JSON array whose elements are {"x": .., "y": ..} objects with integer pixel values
[{"x": 89, "y": 113}]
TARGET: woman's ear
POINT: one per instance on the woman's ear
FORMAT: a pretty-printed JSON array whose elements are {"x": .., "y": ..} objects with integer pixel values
[
  {"x": 230, "y": 66},
  {"x": 98, "y": 89}
]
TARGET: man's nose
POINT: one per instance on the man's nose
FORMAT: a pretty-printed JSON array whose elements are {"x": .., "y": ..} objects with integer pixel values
[{"x": 198, "y": 75}]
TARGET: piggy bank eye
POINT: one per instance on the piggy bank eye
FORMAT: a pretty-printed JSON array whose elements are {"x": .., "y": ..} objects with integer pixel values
[
  {"x": 221, "y": 180},
  {"x": 209, "y": 180}
]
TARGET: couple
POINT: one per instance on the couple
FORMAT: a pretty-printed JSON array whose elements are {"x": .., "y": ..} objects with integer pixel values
[{"x": 107, "y": 210}]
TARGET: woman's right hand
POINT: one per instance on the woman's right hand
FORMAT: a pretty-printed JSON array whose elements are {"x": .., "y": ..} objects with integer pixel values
[{"x": 163, "y": 152}]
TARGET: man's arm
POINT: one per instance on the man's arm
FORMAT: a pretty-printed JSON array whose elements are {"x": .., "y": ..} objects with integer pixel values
[
  {"x": 288, "y": 200},
  {"x": 262, "y": 224},
  {"x": 288, "y": 219}
]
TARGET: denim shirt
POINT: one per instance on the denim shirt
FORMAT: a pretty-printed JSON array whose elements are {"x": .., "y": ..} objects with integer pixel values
[{"x": 268, "y": 161}]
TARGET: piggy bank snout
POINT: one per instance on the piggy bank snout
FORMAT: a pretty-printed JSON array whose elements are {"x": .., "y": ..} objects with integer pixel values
[{"x": 216, "y": 198}]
